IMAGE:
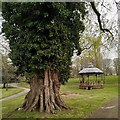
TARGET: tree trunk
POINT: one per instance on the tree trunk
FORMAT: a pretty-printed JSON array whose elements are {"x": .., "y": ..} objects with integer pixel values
[
  {"x": 4, "y": 85},
  {"x": 44, "y": 94}
]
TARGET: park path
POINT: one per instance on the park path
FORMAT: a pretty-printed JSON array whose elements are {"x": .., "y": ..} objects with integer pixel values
[
  {"x": 16, "y": 95},
  {"x": 109, "y": 110}
]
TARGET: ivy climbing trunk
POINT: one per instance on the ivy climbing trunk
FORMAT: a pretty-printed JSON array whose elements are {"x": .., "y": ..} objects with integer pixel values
[{"x": 44, "y": 95}]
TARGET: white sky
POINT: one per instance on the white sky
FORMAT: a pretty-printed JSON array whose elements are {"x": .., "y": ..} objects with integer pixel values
[{"x": 113, "y": 15}]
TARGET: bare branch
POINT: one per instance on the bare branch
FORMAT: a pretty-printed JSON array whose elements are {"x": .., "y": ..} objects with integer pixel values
[
  {"x": 102, "y": 4},
  {"x": 115, "y": 2},
  {"x": 99, "y": 20},
  {"x": 87, "y": 47},
  {"x": 5, "y": 47}
]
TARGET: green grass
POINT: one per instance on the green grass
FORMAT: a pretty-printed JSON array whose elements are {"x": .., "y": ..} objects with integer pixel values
[
  {"x": 10, "y": 91},
  {"x": 10, "y": 105},
  {"x": 23, "y": 84},
  {"x": 81, "y": 106}
]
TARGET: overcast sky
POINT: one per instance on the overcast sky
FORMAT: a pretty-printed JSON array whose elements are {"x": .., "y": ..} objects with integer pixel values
[{"x": 112, "y": 15}]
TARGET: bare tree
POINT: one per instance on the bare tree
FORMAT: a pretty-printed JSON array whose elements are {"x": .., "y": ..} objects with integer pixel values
[{"x": 116, "y": 65}]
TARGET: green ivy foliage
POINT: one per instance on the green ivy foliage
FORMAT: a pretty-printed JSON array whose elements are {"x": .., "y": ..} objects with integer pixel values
[{"x": 43, "y": 35}]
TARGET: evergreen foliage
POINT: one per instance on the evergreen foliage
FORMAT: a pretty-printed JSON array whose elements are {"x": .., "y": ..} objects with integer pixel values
[{"x": 43, "y": 35}]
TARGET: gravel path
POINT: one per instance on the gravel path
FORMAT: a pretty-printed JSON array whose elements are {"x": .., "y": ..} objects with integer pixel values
[
  {"x": 16, "y": 95},
  {"x": 109, "y": 110}
]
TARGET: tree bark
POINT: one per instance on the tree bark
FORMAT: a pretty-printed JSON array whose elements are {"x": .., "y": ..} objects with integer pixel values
[{"x": 44, "y": 95}]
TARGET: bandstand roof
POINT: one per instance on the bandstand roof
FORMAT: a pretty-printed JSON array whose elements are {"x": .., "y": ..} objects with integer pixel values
[{"x": 91, "y": 70}]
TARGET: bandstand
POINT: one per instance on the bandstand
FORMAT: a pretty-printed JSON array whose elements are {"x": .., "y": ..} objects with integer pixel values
[{"x": 97, "y": 81}]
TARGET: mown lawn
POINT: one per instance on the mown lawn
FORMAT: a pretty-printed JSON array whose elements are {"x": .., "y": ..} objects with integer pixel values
[
  {"x": 9, "y": 92},
  {"x": 10, "y": 105},
  {"x": 81, "y": 105},
  {"x": 23, "y": 84}
]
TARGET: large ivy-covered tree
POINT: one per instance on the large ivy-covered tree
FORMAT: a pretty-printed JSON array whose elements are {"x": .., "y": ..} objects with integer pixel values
[{"x": 42, "y": 37}]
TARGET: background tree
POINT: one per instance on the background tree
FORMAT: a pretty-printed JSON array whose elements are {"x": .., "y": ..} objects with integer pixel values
[
  {"x": 42, "y": 43},
  {"x": 116, "y": 64},
  {"x": 118, "y": 48},
  {"x": 8, "y": 71},
  {"x": 94, "y": 52},
  {"x": 75, "y": 67},
  {"x": 107, "y": 66}
]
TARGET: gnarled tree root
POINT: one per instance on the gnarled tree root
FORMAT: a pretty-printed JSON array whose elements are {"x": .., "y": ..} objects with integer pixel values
[{"x": 44, "y": 94}]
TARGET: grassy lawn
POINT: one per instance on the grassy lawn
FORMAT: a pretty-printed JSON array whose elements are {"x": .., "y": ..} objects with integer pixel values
[
  {"x": 81, "y": 105},
  {"x": 23, "y": 84},
  {"x": 11, "y": 91},
  {"x": 10, "y": 105}
]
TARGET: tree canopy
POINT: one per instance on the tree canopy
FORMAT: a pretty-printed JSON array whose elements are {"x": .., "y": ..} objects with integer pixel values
[{"x": 43, "y": 35}]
